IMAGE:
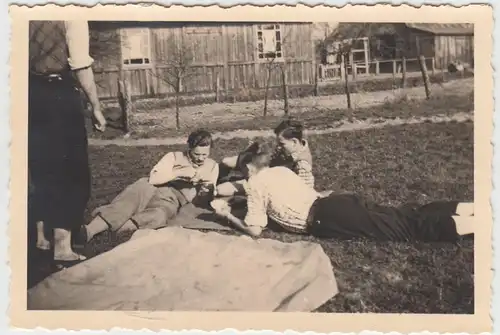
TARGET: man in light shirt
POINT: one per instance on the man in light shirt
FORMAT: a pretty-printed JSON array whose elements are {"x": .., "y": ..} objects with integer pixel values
[
  {"x": 177, "y": 179},
  {"x": 59, "y": 66},
  {"x": 281, "y": 195}
]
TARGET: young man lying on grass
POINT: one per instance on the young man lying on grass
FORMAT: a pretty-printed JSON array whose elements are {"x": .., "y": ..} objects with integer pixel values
[
  {"x": 292, "y": 151},
  {"x": 299, "y": 208},
  {"x": 177, "y": 179}
]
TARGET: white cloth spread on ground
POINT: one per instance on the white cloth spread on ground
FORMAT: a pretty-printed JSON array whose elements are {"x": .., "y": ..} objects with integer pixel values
[{"x": 187, "y": 270}]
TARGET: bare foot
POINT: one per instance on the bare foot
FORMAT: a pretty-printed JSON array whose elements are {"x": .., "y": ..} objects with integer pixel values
[
  {"x": 43, "y": 244},
  {"x": 73, "y": 256},
  {"x": 41, "y": 241}
]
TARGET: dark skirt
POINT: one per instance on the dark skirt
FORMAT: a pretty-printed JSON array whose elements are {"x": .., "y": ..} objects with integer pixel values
[
  {"x": 57, "y": 153},
  {"x": 346, "y": 216}
]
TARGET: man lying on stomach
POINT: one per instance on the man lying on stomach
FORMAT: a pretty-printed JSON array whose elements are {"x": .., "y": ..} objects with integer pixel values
[{"x": 281, "y": 195}]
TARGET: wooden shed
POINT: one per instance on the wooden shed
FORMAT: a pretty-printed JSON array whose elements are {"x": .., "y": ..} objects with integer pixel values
[
  {"x": 231, "y": 56},
  {"x": 446, "y": 43}
]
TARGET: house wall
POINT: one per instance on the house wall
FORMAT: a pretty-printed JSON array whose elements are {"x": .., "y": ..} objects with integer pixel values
[
  {"x": 453, "y": 48},
  {"x": 224, "y": 51}
]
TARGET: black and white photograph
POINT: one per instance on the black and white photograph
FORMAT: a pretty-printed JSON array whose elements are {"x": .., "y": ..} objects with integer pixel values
[{"x": 252, "y": 165}]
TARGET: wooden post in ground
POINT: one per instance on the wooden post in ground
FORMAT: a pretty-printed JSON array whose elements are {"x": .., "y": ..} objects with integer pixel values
[
  {"x": 125, "y": 100},
  {"x": 285, "y": 89},
  {"x": 433, "y": 66},
  {"x": 425, "y": 76},
  {"x": 315, "y": 89},
  {"x": 217, "y": 87},
  {"x": 342, "y": 67},
  {"x": 403, "y": 70},
  {"x": 377, "y": 67}
]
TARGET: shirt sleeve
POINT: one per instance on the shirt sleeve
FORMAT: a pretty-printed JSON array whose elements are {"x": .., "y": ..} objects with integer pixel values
[
  {"x": 304, "y": 170},
  {"x": 77, "y": 39},
  {"x": 163, "y": 171},
  {"x": 257, "y": 205}
]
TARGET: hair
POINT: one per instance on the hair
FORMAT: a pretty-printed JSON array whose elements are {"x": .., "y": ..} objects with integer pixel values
[
  {"x": 259, "y": 157},
  {"x": 199, "y": 138},
  {"x": 290, "y": 128}
]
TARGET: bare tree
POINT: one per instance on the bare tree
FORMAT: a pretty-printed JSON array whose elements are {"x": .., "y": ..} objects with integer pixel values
[
  {"x": 177, "y": 68},
  {"x": 276, "y": 60},
  {"x": 343, "y": 39}
]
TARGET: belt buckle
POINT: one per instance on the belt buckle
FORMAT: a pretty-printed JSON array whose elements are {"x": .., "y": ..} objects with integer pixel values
[{"x": 54, "y": 76}]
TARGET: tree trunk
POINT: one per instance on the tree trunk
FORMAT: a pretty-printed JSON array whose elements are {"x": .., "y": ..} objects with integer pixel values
[
  {"x": 266, "y": 90},
  {"x": 403, "y": 70},
  {"x": 315, "y": 92},
  {"x": 125, "y": 101},
  {"x": 425, "y": 76},
  {"x": 285, "y": 90},
  {"x": 346, "y": 87},
  {"x": 177, "y": 116}
]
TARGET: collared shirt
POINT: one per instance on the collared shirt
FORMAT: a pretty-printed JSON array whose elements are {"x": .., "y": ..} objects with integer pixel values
[
  {"x": 56, "y": 46},
  {"x": 205, "y": 174},
  {"x": 282, "y": 195}
]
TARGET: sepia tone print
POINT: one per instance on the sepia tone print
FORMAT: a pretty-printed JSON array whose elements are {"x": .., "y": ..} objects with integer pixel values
[{"x": 254, "y": 165}]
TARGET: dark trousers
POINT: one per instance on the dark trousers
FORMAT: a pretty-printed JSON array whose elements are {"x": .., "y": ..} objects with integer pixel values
[
  {"x": 57, "y": 153},
  {"x": 346, "y": 216}
]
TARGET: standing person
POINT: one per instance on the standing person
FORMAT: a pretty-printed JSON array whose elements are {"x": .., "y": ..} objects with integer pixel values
[
  {"x": 300, "y": 209},
  {"x": 59, "y": 64},
  {"x": 176, "y": 180}
]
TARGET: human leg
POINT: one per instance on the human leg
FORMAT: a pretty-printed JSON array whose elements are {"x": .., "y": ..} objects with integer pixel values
[
  {"x": 132, "y": 200},
  {"x": 56, "y": 140},
  {"x": 347, "y": 216},
  {"x": 444, "y": 220},
  {"x": 163, "y": 206}
]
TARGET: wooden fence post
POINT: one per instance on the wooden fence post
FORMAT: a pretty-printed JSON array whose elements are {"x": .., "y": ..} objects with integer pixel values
[
  {"x": 403, "y": 69},
  {"x": 354, "y": 69},
  {"x": 425, "y": 76},
  {"x": 125, "y": 100},
  {"x": 342, "y": 67},
  {"x": 315, "y": 90},
  {"x": 433, "y": 66},
  {"x": 217, "y": 87},
  {"x": 377, "y": 67}
]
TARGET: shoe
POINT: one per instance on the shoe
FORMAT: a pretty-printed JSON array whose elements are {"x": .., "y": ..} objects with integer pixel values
[{"x": 62, "y": 264}]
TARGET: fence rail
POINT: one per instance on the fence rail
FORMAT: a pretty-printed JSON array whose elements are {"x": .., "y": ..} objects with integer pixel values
[{"x": 333, "y": 72}]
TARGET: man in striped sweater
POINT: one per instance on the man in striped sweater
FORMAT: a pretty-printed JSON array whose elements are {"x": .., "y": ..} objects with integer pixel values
[{"x": 292, "y": 151}]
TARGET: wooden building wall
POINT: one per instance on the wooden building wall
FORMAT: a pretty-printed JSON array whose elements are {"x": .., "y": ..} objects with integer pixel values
[
  {"x": 226, "y": 51},
  {"x": 445, "y": 48},
  {"x": 452, "y": 48}
]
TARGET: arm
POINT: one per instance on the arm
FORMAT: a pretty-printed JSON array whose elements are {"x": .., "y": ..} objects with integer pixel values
[
  {"x": 304, "y": 170},
  {"x": 253, "y": 231},
  {"x": 77, "y": 39},
  {"x": 163, "y": 172},
  {"x": 256, "y": 217},
  {"x": 229, "y": 189}
]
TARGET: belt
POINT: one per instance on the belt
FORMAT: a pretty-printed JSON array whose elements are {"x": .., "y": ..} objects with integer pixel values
[{"x": 52, "y": 77}]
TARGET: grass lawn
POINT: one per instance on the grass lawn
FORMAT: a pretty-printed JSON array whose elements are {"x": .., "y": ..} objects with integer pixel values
[
  {"x": 416, "y": 163},
  {"x": 318, "y": 113}
]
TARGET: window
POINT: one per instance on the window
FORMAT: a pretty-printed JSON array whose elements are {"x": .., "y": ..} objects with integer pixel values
[
  {"x": 136, "y": 48},
  {"x": 269, "y": 41}
]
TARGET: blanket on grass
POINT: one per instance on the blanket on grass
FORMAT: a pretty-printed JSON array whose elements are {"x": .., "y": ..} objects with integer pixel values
[
  {"x": 194, "y": 217},
  {"x": 187, "y": 270}
]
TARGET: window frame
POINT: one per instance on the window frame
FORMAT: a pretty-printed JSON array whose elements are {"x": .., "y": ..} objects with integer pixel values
[
  {"x": 277, "y": 28},
  {"x": 145, "y": 32}
]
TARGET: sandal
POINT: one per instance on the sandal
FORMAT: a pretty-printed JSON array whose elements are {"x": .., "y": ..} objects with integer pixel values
[{"x": 62, "y": 264}]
